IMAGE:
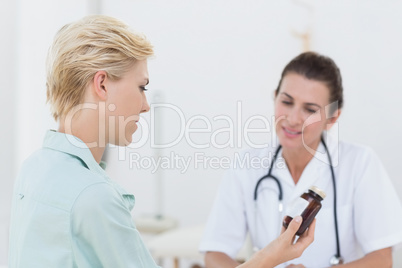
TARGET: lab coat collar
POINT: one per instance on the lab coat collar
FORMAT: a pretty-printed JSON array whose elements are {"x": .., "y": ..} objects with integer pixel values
[
  {"x": 74, "y": 146},
  {"x": 312, "y": 174}
]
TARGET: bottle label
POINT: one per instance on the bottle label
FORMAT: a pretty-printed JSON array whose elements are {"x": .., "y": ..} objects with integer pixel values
[{"x": 297, "y": 207}]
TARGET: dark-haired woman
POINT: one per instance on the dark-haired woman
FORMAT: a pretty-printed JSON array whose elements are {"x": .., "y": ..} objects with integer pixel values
[{"x": 308, "y": 102}]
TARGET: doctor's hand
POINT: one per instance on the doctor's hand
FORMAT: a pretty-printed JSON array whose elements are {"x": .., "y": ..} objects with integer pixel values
[{"x": 284, "y": 248}]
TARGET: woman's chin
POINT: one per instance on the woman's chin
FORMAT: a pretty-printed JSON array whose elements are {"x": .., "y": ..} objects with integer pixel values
[
  {"x": 295, "y": 145},
  {"x": 290, "y": 142},
  {"x": 127, "y": 141},
  {"x": 122, "y": 141},
  {"x": 128, "y": 137},
  {"x": 298, "y": 143}
]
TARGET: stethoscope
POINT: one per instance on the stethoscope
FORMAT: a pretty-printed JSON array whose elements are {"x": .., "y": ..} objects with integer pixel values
[{"x": 337, "y": 258}]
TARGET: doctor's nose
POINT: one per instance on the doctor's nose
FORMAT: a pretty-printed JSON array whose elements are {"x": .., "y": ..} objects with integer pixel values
[{"x": 294, "y": 117}]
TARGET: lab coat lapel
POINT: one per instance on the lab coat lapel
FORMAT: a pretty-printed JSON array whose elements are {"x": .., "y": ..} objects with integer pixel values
[
  {"x": 312, "y": 174},
  {"x": 281, "y": 171}
]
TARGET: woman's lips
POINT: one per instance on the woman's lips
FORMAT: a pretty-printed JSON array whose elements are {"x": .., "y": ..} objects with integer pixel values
[{"x": 291, "y": 132}]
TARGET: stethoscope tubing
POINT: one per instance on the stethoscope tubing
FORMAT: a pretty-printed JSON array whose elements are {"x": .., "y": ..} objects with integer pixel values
[
  {"x": 338, "y": 250},
  {"x": 269, "y": 175},
  {"x": 280, "y": 195}
]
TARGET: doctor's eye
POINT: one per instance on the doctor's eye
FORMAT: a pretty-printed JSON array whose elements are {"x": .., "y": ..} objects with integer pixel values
[
  {"x": 287, "y": 102},
  {"x": 143, "y": 88},
  {"x": 311, "y": 111}
]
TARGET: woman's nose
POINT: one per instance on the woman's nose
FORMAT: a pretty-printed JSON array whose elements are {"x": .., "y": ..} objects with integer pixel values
[
  {"x": 145, "y": 105},
  {"x": 294, "y": 117}
]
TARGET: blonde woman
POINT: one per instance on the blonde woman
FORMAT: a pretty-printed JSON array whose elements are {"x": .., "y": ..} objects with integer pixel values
[{"x": 67, "y": 212}]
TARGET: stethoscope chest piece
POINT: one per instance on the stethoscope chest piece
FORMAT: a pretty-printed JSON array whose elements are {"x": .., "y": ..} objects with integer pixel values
[{"x": 336, "y": 260}]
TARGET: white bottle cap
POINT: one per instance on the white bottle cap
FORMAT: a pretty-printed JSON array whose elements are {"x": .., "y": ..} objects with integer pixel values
[{"x": 318, "y": 191}]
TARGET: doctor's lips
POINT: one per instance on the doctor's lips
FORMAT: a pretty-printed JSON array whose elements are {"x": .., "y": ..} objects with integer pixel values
[{"x": 291, "y": 132}]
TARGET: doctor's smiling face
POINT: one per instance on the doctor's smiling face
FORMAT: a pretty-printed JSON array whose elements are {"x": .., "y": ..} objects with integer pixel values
[
  {"x": 300, "y": 111},
  {"x": 307, "y": 101}
]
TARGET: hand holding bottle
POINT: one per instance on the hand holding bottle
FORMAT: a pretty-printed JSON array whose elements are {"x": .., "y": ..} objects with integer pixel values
[{"x": 284, "y": 248}]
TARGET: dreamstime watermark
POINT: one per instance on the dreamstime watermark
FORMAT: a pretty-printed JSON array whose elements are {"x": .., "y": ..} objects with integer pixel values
[{"x": 236, "y": 133}]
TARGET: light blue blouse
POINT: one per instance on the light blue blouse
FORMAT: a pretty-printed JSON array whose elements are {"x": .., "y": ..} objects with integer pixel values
[{"x": 68, "y": 213}]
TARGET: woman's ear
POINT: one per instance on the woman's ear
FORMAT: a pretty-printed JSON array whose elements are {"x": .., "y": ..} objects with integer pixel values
[
  {"x": 332, "y": 120},
  {"x": 99, "y": 85}
]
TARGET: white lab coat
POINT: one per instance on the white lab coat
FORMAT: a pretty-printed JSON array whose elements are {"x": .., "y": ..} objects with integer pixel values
[{"x": 369, "y": 210}]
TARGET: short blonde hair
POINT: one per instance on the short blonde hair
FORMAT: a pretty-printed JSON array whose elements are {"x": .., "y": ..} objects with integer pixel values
[{"x": 82, "y": 48}]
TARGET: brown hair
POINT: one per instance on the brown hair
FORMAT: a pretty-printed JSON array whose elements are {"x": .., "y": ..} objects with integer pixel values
[{"x": 317, "y": 67}]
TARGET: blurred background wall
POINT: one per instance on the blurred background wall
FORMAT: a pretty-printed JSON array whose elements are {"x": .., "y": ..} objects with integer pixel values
[
  {"x": 212, "y": 58},
  {"x": 7, "y": 117}
]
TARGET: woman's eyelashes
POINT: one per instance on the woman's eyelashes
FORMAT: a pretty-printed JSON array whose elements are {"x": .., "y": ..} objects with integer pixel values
[
  {"x": 143, "y": 88},
  {"x": 311, "y": 111},
  {"x": 307, "y": 109}
]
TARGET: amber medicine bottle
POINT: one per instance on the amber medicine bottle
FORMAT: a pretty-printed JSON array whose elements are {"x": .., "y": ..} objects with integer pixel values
[{"x": 307, "y": 206}]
